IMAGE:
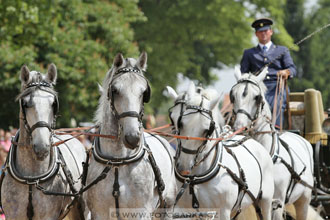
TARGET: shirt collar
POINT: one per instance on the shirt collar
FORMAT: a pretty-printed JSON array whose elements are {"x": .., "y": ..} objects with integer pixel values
[{"x": 267, "y": 45}]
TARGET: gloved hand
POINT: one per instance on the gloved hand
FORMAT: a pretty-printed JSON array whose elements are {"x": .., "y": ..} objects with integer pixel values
[{"x": 283, "y": 73}]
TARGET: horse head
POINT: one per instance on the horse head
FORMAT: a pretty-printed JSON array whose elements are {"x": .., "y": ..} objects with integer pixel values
[
  {"x": 192, "y": 115},
  {"x": 247, "y": 97},
  {"x": 127, "y": 91},
  {"x": 39, "y": 106}
]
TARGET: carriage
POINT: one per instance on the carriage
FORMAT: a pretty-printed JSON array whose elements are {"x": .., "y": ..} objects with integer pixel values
[{"x": 309, "y": 120}]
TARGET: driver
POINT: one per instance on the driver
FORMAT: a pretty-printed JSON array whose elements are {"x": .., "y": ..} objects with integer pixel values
[{"x": 266, "y": 51}]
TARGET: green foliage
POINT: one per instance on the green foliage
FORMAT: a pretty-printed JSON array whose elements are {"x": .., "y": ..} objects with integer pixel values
[
  {"x": 314, "y": 57},
  {"x": 192, "y": 37},
  {"x": 80, "y": 37}
]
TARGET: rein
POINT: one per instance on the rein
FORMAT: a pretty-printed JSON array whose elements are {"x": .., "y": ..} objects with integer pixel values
[{"x": 150, "y": 131}]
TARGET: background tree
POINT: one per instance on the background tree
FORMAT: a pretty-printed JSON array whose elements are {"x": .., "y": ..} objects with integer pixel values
[
  {"x": 313, "y": 58},
  {"x": 192, "y": 37},
  {"x": 181, "y": 36},
  {"x": 80, "y": 37}
]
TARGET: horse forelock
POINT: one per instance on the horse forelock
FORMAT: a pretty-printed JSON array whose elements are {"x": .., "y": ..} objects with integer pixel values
[{"x": 35, "y": 78}]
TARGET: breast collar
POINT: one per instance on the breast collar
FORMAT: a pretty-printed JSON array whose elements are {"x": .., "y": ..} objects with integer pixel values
[
  {"x": 109, "y": 160},
  {"x": 31, "y": 180},
  {"x": 207, "y": 175}
]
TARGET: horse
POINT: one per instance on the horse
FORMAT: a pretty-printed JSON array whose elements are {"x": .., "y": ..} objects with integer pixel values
[
  {"x": 227, "y": 176},
  {"x": 211, "y": 93},
  {"x": 291, "y": 153},
  {"x": 138, "y": 171},
  {"x": 40, "y": 180}
]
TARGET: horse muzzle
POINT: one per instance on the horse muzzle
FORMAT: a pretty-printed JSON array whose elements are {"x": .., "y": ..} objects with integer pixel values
[
  {"x": 132, "y": 140},
  {"x": 41, "y": 151}
]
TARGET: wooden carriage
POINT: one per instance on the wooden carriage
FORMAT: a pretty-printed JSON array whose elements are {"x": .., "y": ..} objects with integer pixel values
[{"x": 307, "y": 116}]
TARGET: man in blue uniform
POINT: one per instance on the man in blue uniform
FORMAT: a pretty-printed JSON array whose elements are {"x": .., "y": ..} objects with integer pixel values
[{"x": 254, "y": 59}]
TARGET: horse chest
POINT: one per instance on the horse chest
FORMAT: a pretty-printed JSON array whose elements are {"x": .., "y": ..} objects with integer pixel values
[
  {"x": 136, "y": 187},
  {"x": 15, "y": 199},
  {"x": 212, "y": 194}
]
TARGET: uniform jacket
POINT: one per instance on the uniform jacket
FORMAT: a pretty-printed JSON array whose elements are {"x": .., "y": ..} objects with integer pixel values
[{"x": 254, "y": 59}]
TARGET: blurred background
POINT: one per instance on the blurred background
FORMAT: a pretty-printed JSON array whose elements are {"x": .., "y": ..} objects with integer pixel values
[{"x": 197, "y": 39}]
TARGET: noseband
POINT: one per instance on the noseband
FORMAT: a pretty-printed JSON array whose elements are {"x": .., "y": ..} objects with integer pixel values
[
  {"x": 146, "y": 95},
  {"x": 30, "y": 88},
  {"x": 260, "y": 102}
]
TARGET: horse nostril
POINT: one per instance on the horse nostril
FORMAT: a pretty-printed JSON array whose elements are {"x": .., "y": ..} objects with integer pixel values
[
  {"x": 41, "y": 151},
  {"x": 133, "y": 139}
]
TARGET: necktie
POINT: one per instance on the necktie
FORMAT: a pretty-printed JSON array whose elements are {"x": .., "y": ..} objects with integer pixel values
[{"x": 264, "y": 48}]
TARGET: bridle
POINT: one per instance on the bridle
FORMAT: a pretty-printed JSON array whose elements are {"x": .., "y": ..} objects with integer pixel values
[
  {"x": 197, "y": 109},
  {"x": 259, "y": 100},
  {"x": 146, "y": 95},
  {"x": 29, "y": 89}
]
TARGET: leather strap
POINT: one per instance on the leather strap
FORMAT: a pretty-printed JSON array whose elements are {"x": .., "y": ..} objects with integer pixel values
[{"x": 288, "y": 105}]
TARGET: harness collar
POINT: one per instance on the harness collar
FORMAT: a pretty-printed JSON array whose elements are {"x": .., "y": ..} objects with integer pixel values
[
  {"x": 207, "y": 175},
  {"x": 109, "y": 160},
  {"x": 31, "y": 180}
]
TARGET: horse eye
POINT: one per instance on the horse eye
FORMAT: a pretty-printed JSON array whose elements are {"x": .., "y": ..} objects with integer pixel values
[
  {"x": 114, "y": 91},
  {"x": 28, "y": 104},
  {"x": 257, "y": 98}
]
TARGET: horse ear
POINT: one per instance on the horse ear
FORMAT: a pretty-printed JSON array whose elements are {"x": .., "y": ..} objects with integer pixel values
[
  {"x": 171, "y": 93},
  {"x": 191, "y": 89},
  {"x": 100, "y": 89},
  {"x": 215, "y": 102},
  {"x": 25, "y": 74},
  {"x": 119, "y": 60},
  {"x": 237, "y": 73},
  {"x": 142, "y": 62},
  {"x": 52, "y": 73},
  {"x": 263, "y": 74}
]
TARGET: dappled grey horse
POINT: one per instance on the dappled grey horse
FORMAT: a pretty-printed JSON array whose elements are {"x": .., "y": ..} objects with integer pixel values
[
  {"x": 34, "y": 167},
  {"x": 133, "y": 171},
  {"x": 223, "y": 176},
  {"x": 291, "y": 153}
]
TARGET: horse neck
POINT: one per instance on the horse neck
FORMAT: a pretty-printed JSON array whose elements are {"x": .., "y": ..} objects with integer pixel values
[
  {"x": 26, "y": 161},
  {"x": 262, "y": 125},
  {"x": 112, "y": 147}
]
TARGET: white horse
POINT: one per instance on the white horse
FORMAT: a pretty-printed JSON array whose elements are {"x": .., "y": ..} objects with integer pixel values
[
  {"x": 130, "y": 184},
  {"x": 211, "y": 170},
  {"x": 252, "y": 110},
  {"x": 34, "y": 166},
  {"x": 211, "y": 94}
]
